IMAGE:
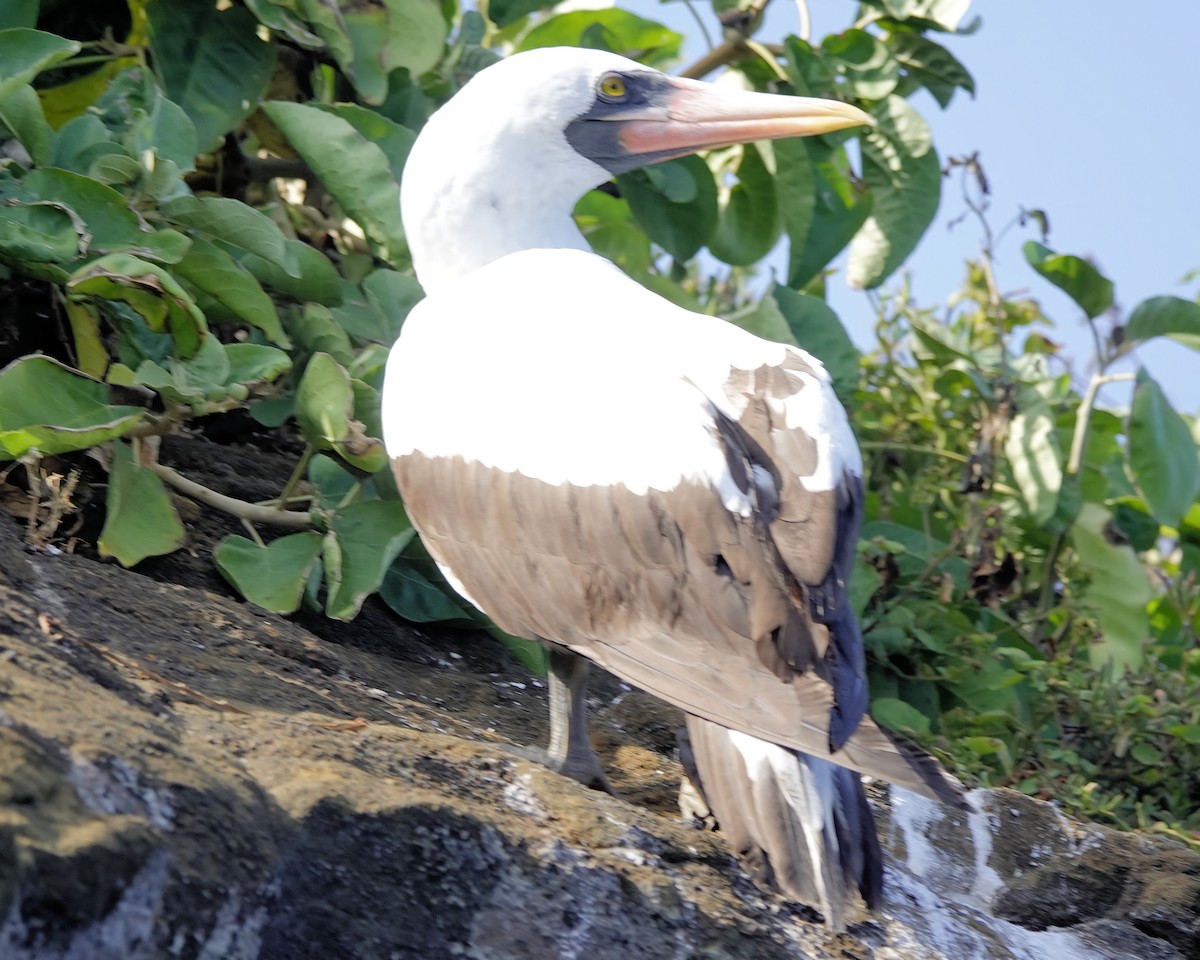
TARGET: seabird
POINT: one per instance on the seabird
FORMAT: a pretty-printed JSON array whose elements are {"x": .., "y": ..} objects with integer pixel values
[{"x": 657, "y": 490}]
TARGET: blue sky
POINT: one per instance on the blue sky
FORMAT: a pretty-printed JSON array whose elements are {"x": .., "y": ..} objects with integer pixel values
[{"x": 1085, "y": 110}]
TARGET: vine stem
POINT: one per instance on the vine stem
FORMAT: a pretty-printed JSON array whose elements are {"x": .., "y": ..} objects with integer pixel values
[
  {"x": 289, "y": 488},
  {"x": 290, "y": 519},
  {"x": 805, "y": 30},
  {"x": 1083, "y": 420},
  {"x": 1083, "y": 424},
  {"x": 691, "y": 8}
]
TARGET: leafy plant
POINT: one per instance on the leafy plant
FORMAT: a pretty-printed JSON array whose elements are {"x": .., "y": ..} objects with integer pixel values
[
  {"x": 1030, "y": 560},
  {"x": 139, "y": 198}
]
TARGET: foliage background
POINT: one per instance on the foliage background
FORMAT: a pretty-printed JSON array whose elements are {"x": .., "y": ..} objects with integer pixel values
[{"x": 199, "y": 219}]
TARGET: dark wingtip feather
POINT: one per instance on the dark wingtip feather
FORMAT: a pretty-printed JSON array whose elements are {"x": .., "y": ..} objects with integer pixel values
[{"x": 944, "y": 785}]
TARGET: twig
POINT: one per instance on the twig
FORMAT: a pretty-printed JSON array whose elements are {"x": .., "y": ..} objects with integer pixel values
[
  {"x": 913, "y": 448},
  {"x": 732, "y": 46},
  {"x": 805, "y": 30},
  {"x": 699, "y": 23},
  {"x": 767, "y": 58},
  {"x": 291, "y": 519}
]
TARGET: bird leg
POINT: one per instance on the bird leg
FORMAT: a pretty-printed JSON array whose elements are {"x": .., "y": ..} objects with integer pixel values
[{"x": 570, "y": 751}]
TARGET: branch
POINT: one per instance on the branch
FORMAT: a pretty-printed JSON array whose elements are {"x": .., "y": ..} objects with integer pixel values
[
  {"x": 732, "y": 46},
  {"x": 290, "y": 519},
  {"x": 719, "y": 56}
]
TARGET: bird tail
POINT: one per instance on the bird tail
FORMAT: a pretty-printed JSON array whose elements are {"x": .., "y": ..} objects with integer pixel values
[{"x": 796, "y": 821}]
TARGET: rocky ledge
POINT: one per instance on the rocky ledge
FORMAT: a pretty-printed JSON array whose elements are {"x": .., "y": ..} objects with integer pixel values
[{"x": 184, "y": 776}]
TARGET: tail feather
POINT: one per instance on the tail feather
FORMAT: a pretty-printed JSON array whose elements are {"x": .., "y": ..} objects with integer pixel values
[{"x": 796, "y": 821}]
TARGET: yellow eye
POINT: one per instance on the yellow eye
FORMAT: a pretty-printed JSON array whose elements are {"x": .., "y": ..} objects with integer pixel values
[{"x": 612, "y": 86}]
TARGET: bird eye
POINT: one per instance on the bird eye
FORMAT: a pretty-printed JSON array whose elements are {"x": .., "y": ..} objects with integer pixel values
[{"x": 612, "y": 86}]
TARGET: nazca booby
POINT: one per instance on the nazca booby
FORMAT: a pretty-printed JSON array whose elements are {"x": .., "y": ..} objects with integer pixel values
[{"x": 664, "y": 493}]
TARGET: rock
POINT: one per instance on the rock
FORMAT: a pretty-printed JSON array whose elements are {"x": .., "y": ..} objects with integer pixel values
[{"x": 185, "y": 776}]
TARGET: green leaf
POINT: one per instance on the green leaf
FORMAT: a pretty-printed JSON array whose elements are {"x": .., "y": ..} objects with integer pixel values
[
  {"x": 283, "y": 21},
  {"x": 415, "y": 597},
  {"x": 504, "y": 12},
  {"x": 168, "y": 131},
  {"x": 817, "y": 329},
  {"x": 352, "y": 168},
  {"x": 139, "y": 520},
  {"x": 897, "y": 715},
  {"x": 90, "y": 351},
  {"x": 324, "y": 402},
  {"x": 864, "y": 63},
  {"x": 808, "y": 70},
  {"x": 931, "y": 65},
  {"x": 944, "y": 15},
  {"x": 211, "y": 62},
  {"x": 1035, "y": 458},
  {"x": 239, "y": 228},
  {"x": 310, "y": 276},
  {"x": 377, "y": 312},
  {"x": 1165, "y": 317},
  {"x": 21, "y": 112},
  {"x": 394, "y": 140},
  {"x": 272, "y": 576},
  {"x": 748, "y": 218},
  {"x": 19, "y": 13},
  {"x": 362, "y": 542},
  {"x": 1077, "y": 278},
  {"x": 608, "y": 29},
  {"x": 533, "y": 654},
  {"x": 607, "y": 223},
  {"x": 361, "y": 446},
  {"x": 78, "y": 140},
  {"x": 905, "y": 178},
  {"x": 1132, "y": 518},
  {"x": 331, "y": 481},
  {"x": 679, "y": 228},
  {"x": 48, "y": 407},
  {"x": 43, "y": 231},
  {"x": 1163, "y": 457},
  {"x": 25, "y": 53},
  {"x": 255, "y": 363},
  {"x": 232, "y": 293},
  {"x": 1118, "y": 591},
  {"x": 315, "y": 330},
  {"x": 369, "y": 41},
  {"x": 764, "y": 319},
  {"x": 821, "y": 204},
  {"x": 150, "y": 290},
  {"x": 196, "y": 381},
  {"x": 110, "y": 224}
]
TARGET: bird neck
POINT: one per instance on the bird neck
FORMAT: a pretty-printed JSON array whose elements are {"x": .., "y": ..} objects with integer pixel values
[
  {"x": 467, "y": 223},
  {"x": 477, "y": 188}
]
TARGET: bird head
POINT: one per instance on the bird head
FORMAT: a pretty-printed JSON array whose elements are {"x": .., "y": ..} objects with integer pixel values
[{"x": 507, "y": 158}]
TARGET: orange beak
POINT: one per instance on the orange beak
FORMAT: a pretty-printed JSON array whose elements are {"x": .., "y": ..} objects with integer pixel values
[{"x": 699, "y": 116}]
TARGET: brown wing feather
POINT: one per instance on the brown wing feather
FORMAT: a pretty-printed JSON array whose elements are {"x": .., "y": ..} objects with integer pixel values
[{"x": 667, "y": 590}]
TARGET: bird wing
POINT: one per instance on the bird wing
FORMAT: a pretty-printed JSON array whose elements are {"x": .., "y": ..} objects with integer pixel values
[{"x": 655, "y": 489}]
